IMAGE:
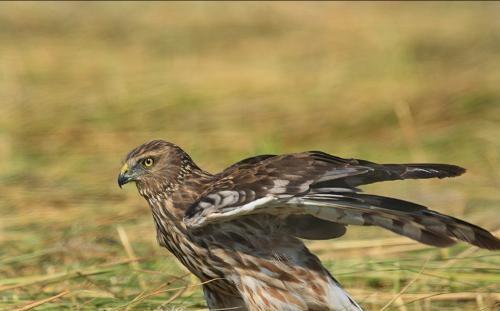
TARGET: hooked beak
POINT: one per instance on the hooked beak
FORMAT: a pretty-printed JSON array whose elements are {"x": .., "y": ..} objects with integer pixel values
[{"x": 125, "y": 175}]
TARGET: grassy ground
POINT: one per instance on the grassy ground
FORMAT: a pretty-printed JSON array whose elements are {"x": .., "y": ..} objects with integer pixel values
[{"x": 83, "y": 83}]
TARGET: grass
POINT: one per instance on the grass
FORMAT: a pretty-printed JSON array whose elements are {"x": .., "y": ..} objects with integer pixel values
[{"x": 83, "y": 83}]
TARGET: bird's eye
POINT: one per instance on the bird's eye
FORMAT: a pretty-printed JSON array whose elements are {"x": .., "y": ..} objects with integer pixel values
[{"x": 148, "y": 162}]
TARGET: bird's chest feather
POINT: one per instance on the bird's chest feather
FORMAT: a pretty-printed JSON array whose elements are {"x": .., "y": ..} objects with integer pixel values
[{"x": 250, "y": 257}]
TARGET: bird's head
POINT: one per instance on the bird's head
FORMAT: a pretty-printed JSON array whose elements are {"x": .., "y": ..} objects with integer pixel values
[{"x": 155, "y": 166}]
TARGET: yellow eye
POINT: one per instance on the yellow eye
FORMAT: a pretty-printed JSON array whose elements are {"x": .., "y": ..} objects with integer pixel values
[{"x": 148, "y": 162}]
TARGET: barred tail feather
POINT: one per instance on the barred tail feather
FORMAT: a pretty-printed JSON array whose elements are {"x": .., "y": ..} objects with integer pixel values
[
  {"x": 459, "y": 229},
  {"x": 402, "y": 217}
]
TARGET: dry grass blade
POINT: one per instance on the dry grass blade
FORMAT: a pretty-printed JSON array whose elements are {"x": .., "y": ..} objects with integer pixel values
[
  {"x": 175, "y": 296},
  {"x": 438, "y": 296},
  {"x": 405, "y": 288},
  {"x": 400, "y": 304},
  {"x": 143, "y": 296},
  {"x": 467, "y": 252},
  {"x": 52, "y": 278},
  {"x": 32, "y": 280},
  {"x": 43, "y": 301},
  {"x": 130, "y": 253}
]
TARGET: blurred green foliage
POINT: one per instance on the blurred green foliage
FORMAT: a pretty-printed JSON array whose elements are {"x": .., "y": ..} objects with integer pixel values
[{"x": 83, "y": 83}]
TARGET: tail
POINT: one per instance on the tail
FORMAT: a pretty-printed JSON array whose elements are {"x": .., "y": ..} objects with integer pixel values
[{"x": 402, "y": 217}]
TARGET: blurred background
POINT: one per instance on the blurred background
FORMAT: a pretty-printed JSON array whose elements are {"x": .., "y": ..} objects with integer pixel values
[{"x": 81, "y": 84}]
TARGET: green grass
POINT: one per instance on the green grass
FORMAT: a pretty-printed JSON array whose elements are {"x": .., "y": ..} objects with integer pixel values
[{"x": 83, "y": 83}]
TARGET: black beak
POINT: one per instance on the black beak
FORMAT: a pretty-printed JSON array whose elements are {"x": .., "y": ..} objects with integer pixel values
[
  {"x": 122, "y": 180},
  {"x": 125, "y": 176}
]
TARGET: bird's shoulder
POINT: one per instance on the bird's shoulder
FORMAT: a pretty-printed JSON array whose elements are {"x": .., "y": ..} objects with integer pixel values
[{"x": 263, "y": 172}]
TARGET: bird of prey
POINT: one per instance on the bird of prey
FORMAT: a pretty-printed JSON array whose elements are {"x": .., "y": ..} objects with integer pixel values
[{"x": 240, "y": 231}]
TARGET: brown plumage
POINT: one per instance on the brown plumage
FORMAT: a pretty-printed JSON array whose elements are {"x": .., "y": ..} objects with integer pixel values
[{"x": 241, "y": 227}]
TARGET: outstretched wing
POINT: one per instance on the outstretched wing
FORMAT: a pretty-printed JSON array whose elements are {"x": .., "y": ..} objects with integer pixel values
[{"x": 316, "y": 194}]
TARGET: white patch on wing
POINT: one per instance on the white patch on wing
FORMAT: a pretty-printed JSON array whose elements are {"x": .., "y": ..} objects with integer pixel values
[
  {"x": 330, "y": 190},
  {"x": 305, "y": 186},
  {"x": 204, "y": 205},
  {"x": 353, "y": 218},
  {"x": 411, "y": 230},
  {"x": 279, "y": 186},
  {"x": 228, "y": 198},
  {"x": 325, "y": 213},
  {"x": 329, "y": 211},
  {"x": 382, "y": 221},
  {"x": 247, "y": 208},
  {"x": 343, "y": 172},
  {"x": 425, "y": 170},
  {"x": 237, "y": 211}
]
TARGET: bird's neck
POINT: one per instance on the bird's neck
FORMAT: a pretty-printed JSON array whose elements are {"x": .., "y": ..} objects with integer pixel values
[
  {"x": 168, "y": 210},
  {"x": 171, "y": 197}
]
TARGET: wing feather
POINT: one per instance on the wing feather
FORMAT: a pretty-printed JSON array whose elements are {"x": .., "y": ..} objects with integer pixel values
[{"x": 315, "y": 196}]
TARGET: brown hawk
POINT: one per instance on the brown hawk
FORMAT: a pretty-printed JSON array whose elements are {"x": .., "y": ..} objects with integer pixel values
[{"x": 242, "y": 228}]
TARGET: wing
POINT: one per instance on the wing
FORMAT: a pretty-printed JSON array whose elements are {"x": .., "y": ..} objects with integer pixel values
[
  {"x": 255, "y": 181},
  {"x": 315, "y": 193}
]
